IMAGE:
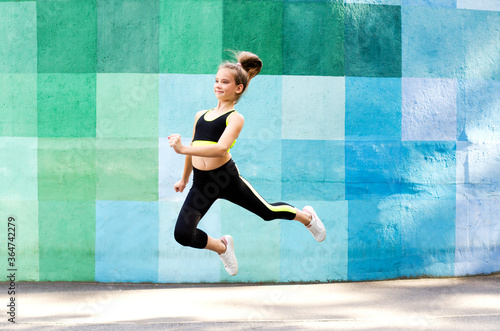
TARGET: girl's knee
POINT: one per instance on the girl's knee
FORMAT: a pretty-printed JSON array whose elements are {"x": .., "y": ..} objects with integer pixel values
[{"x": 184, "y": 238}]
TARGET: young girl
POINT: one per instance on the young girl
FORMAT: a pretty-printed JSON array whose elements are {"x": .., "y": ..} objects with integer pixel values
[{"x": 215, "y": 174}]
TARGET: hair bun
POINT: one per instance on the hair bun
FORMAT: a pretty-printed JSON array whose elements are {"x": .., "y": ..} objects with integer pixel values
[{"x": 250, "y": 63}]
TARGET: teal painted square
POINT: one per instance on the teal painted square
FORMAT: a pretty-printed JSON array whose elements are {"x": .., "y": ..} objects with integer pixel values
[
  {"x": 372, "y": 170},
  {"x": 313, "y": 170},
  {"x": 127, "y": 105},
  {"x": 303, "y": 259},
  {"x": 66, "y": 105},
  {"x": 313, "y": 108},
  {"x": 18, "y": 53},
  {"x": 480, "y": 40},
  {"x": 127, "y": 169},
  {"x": 67, "y": 36},
  {"x": 374, "y": 239},
  {"x": 431, "y": 3},
  {"x": 372, "y": 40},
  {"x": 181, "y": 97},
  {"x": 180, "y": 264},
  {"x": 428, "y": 238},
  {"x": 433, "y": 44},
  {"x": 128, "y": 36},
  {"x": 18, "y": 169},
  {"x": 377, "y": 2},
  {"x": 428, "y": 169},
  {"x": 255, "y": 26},
  {"x": 257, "y": 245},
  {"x": 25, "y": 214},
  {"x": 190, "y": 39},
  {"x": 478, "y": 110},
  {"x": 126, "y": 241},
  {"x": 18, "y": 105},
  {"x": 313, "y": 39},
  {"x": 373, "y": 109},
  {"x": 67, "y": 236},
  {"x": 66, "y": 169},
  {"x": 261, "y": 105}
]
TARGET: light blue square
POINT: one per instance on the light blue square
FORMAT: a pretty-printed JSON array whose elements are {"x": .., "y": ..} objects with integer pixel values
[
  {"x": 427, "y": 237},
  {"x": 374, "y": 229},
  {"x": 372, "y": 169},
  {"x": 18, "y": 169},
  {"x": 478, "y": 110},
  {"x": 430, "y": 3},
  {"x": 432, "y": 42},
  {"x": 373, "y": 109},
  {"x": 170, "y": 170},
  {"x": 429, "y": 109},
  {"x": 481, "y": 42},
  {"x": 181, "y": 97},
  {"x": 179, "y": 264},
  {"x": 303, "y": 259},
  {"x": 428, "y": 170},
  {"x": 126, "y": 248},
  {"x": 313, "y": 107},
  {"x": 313, "y": 170},
  {"x": 492, "y": 5},
  {"x": 261, "y": 107},
  {"x": 477, "y": 236},
  {"x": 376, "y": 2}
]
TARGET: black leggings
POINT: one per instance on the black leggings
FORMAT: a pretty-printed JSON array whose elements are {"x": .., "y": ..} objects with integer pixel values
[{"x": 224, "y": 182}]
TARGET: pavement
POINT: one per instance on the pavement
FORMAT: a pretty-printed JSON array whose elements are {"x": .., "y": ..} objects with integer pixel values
[{"x": 469, "y": 303}]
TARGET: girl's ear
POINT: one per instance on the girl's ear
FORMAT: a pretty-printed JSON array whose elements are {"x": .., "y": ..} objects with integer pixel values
[{"x": 239, "y": 88}]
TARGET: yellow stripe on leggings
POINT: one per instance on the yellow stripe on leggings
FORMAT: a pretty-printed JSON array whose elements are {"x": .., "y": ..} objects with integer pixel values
[{"x": 284, "y": 208}]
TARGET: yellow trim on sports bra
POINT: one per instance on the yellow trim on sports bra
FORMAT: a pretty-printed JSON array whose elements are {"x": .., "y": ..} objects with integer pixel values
[
  {"x": 208, "y": 142},
  {"x": 213, "y": 119}
]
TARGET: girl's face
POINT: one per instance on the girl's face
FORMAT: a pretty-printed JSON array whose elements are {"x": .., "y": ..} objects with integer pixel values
[{"x": 225, "y": 87}]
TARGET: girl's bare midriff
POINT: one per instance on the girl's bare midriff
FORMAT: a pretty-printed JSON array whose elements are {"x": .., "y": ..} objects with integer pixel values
[{"x": 209, "y": 163}]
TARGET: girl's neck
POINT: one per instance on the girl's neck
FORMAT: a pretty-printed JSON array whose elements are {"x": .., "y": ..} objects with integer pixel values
[{"x": 224, "y": 106}]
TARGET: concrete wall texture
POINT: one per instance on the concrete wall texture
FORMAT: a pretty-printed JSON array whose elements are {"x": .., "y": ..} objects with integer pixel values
[{"x": 382, "y": 114}]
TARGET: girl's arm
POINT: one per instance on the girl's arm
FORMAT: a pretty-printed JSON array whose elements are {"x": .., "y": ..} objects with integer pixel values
[{"x": 231, "y": 133}]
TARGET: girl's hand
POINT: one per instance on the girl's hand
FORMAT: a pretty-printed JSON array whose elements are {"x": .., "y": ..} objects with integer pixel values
[
  {"x": 180, "y": 186},
  {"x": 175, "y": 142}
]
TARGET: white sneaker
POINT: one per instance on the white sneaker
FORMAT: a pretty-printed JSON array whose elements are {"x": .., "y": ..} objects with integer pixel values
[
  {"x": 316, "y": 226},
  {"x": 228, "y": 257}
]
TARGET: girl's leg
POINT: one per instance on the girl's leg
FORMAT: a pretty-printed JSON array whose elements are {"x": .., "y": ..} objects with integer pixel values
[
  {"x": 302, "y": 217},
  {"x": 215, "y": 245}
]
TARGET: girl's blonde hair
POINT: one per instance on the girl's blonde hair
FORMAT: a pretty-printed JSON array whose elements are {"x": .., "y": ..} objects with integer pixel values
[{"x": 247, "y": 67}]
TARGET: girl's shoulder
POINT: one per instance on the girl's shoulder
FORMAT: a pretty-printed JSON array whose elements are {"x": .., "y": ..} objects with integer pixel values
[{"x": 235, "y": 116}]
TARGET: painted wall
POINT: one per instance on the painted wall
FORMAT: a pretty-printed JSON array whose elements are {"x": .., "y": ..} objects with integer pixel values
[{"x": 382, "y": 114}]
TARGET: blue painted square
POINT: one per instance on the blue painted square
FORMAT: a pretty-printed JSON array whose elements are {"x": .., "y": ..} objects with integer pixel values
[
  {"x": 429, "y": 108},
  {"x": 170, "y": 170},
  {"x": 313, "y": 170},
  {"x": 179, "y": 264},
  {"x": 181, "y": 97},
  {"x": 430, "y": 3},
  {"x": 303, "y": 259},
  {"x": 432, "y": 42},
  {"x": 429, "y": 170},
  {"x": 372, "y": 169},
  {"x": 492, "y": 5},
  {"x": 478, "y": 110},
  {"x": 428, "y": 237},
  {"x": 372, "y": 108},
  {"x": 477, "y": 236},
  {"x": 313, "y": 107},
  {"x": 376, "y": 2},
  {"x": 374, "y": 239},
  {"x": 126, "y": 241},
  {"x": 261, "y": 107}
]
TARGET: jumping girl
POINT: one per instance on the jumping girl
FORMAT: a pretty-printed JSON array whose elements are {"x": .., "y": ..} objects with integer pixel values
[{"x": 215, "y": 174}]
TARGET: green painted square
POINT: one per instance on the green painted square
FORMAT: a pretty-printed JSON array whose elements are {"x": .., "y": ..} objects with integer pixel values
[
  {"x": 67, "y": 240},
  {"x": 257, "y": 245},
  {"x": 18, "y": 112},
  {"x": 67, "y": 36},
  {"x": 372, "y": 40},
  {"x": 18, "y": 37},
  {"x": 25, "y": 214},
  {"x": 66, "y": 105},
  {"x": 190, "y": 36},
  {"x": 127, "y": 169},
  {"x": 127, "y": 105},
  {"x": 127, "y": 38},
  {"x": 255, "y": 26},
  {"x": 66, "y": 169},
  {"x": 18, "y": 169},
  {"x": 313, "y": 39}
]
